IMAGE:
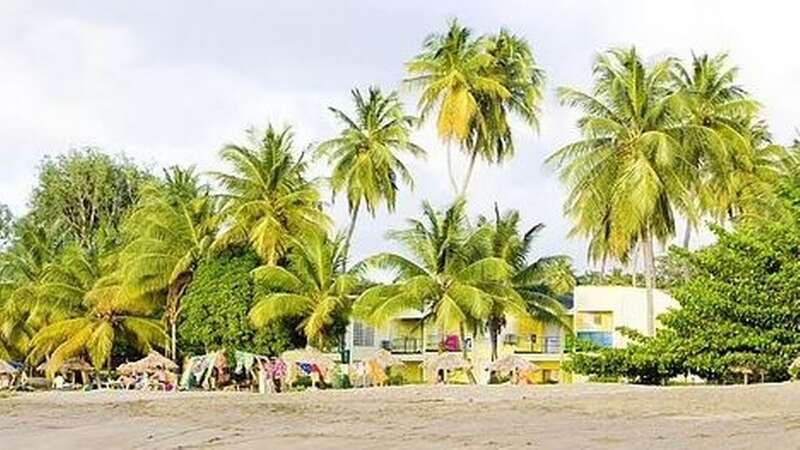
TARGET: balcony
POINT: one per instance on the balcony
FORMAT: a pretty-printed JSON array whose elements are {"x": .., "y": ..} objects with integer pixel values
[
  {"x": 525, "y": 344},
  {"x": 412, "y": 345}
]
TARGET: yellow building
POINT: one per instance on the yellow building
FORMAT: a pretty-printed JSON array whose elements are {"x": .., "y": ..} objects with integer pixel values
[{"x": 410, "y": 341}]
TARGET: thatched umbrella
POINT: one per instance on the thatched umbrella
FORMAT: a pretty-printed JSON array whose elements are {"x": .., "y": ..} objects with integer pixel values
[
  {"x": 7, "y": 368},
  {"x": 743, "y": 370},
  {"x": 70, "y": 365},
  {"x": 152, "y": 362},
  {"x": 511, "y": 363},
  {"x": 794, "y": 369},
  {"x": 309, "y": 355},
  {"x": 446, "y": 362},
  {"x": 384, "y": 359}
]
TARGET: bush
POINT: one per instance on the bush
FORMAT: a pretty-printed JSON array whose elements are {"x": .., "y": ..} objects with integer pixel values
[
  {"x": 215, "y": 308},
  {"x": 739, "y": 308}
]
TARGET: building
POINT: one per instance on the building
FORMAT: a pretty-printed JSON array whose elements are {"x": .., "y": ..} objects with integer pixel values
[
  {"x": 542, "y": 344},
  {"x": 599, "y": 312}
]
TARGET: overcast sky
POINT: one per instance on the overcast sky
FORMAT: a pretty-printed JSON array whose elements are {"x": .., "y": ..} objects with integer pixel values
[{"x": 170, "y": 82}]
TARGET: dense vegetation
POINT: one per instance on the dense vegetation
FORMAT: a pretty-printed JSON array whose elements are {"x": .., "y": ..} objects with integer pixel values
[
  {"x": 111, "y": 259},
  {"x": 739, "y": 310}
]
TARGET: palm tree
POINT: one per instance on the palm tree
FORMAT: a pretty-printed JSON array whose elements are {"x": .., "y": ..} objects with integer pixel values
[
  {"x": 365, "y": 155},
  {"x": 43, "y": 283},
  {"x": 112, "y": 317},
  {"x": 171, "y": 230},
  {"x": 312, "y": 286},
  {"x": 448, "y": 277},
  {"x": 538, "y": 283},
  {"x": 628, "y": 172},
  {"x": 267, "y": 199},
  {"x": 720, "y": 109},
  {"x": 452, "y": 70},
  {"x": 513, "y": 65}
]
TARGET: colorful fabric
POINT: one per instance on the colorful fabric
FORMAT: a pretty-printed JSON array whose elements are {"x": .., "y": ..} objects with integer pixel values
[{"x": 278, "y": 369}]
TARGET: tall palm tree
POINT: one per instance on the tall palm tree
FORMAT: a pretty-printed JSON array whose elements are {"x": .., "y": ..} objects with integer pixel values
[
  {"x": 112, "y": 317},
  {"x": 452, "y": 70},
  {"x": 712, "y": 102},
  {"x": 537, "y": 282},
  {"x": 365, "y": 155},
  {"x": 312, "y": 286},
  {"x": 171, "y": 230},
  {"x": 448, "y": 277},
  {"x": 513, "y": 65},
  {"x": 267, "y": 198},
  {"x": 627, "y": 173}
]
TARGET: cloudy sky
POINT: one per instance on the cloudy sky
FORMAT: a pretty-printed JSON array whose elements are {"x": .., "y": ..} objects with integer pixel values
[{"x": 171, "y": 82}]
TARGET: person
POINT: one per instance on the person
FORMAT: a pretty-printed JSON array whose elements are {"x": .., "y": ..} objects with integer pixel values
[{"x": 58, "y": 382}]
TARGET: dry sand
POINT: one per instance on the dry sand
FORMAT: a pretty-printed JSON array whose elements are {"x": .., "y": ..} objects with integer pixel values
[{"x": 413, "y": 417}]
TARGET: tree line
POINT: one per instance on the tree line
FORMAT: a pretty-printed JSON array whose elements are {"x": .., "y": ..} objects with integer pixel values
[{"x": 112, "y": 259}]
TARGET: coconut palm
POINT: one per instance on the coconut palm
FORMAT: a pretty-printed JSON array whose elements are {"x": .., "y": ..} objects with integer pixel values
[
  {"x": 171, "y": 230},
  {"x": 312, "y": 286},
  {"x": 712, "y": 103},
  {"x": 537, "y": 282},
  {"x": 365, "y": 155},
  {"x": 267, "y": 198},
  {"x": 43, "y": 283},
  {"x": 452, "y": 71},
  {"x": 448, "y": 277},
  {"x": 112, "y": 317},
  {"x": 627, "y": 173},
  {"x": 513, "y": 65}
]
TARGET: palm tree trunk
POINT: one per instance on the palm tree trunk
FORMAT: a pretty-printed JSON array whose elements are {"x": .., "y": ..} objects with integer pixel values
[
  {"x": 687, "y": 235},
  {"x": 469, "y": 173},
  {"x": 494, "y": 331},
  {"x": 350, "y": 229},
  {"x": 174, "y": 338},
  {"x": 453, "y": 183},
  {"x": 634, "y": 258},
  {"x": 422, "y": 341},
  {"x": 463, "y": 337},
  {"x": 649, "y": 279}
]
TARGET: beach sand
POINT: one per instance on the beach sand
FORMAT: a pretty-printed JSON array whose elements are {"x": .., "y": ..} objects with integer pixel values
[{"x": 413, "y": 417}]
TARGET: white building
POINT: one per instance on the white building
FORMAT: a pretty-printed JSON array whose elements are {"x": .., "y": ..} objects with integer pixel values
[{"x": 599, "y": 311}]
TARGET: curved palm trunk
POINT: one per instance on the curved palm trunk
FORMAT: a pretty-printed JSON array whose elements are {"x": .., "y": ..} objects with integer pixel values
[
  {"x": 687, "y": 235},
  {"x": 174, "y": 295},
  {"x": 469, "y": 173},
  {"x": 649, "y": 279},
  {"x": 350, "y": 229},
  {"x": 494, "y": 334},
  {"x": 453, "y": 183}
]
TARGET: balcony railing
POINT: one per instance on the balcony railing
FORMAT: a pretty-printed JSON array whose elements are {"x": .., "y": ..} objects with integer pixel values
[
  {"x": 534, "y": 343},
  {"x": 410, "y": 345}
]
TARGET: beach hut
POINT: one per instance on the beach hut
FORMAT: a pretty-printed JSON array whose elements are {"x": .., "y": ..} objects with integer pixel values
[
  {"x": 70, "y": 367},
  {"x": 440, "y": 366}
]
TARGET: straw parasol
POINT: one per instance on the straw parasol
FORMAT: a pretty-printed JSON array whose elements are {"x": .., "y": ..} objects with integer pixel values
[
  {"x": 510, "y": 363},
  {"x": 446, "y": 361},
  {"x": 385, "y": 359},
  {"x": 70, "y": 365},
  {"x": 309, "y": 355},
  {"x": 152, "y": 362},
  {"x": 7, "y": 368}
]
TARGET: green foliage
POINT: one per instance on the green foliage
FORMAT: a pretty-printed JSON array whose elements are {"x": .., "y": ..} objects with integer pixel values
[
  {"x": 215, "y": 308},
  {"x": 739, "y": 309},
  {"x": 266, "y": 198},
  {"x": 6, "y": 225},
  {"x": 86, "y": 195},
  {"x": 311, "y": 287}
]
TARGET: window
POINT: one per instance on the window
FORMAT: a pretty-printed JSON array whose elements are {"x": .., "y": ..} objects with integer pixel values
[
  {"x": 363, "y": 335},
  {"x": 600, "y": 338},
  {"x": 597, "y": 319}
]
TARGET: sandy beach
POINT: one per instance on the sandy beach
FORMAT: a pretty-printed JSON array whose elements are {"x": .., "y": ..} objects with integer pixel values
[{"x": 413, "y": 417}]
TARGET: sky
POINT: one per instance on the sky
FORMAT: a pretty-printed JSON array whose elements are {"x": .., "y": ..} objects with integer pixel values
[{"x": 172, "y": 82}]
